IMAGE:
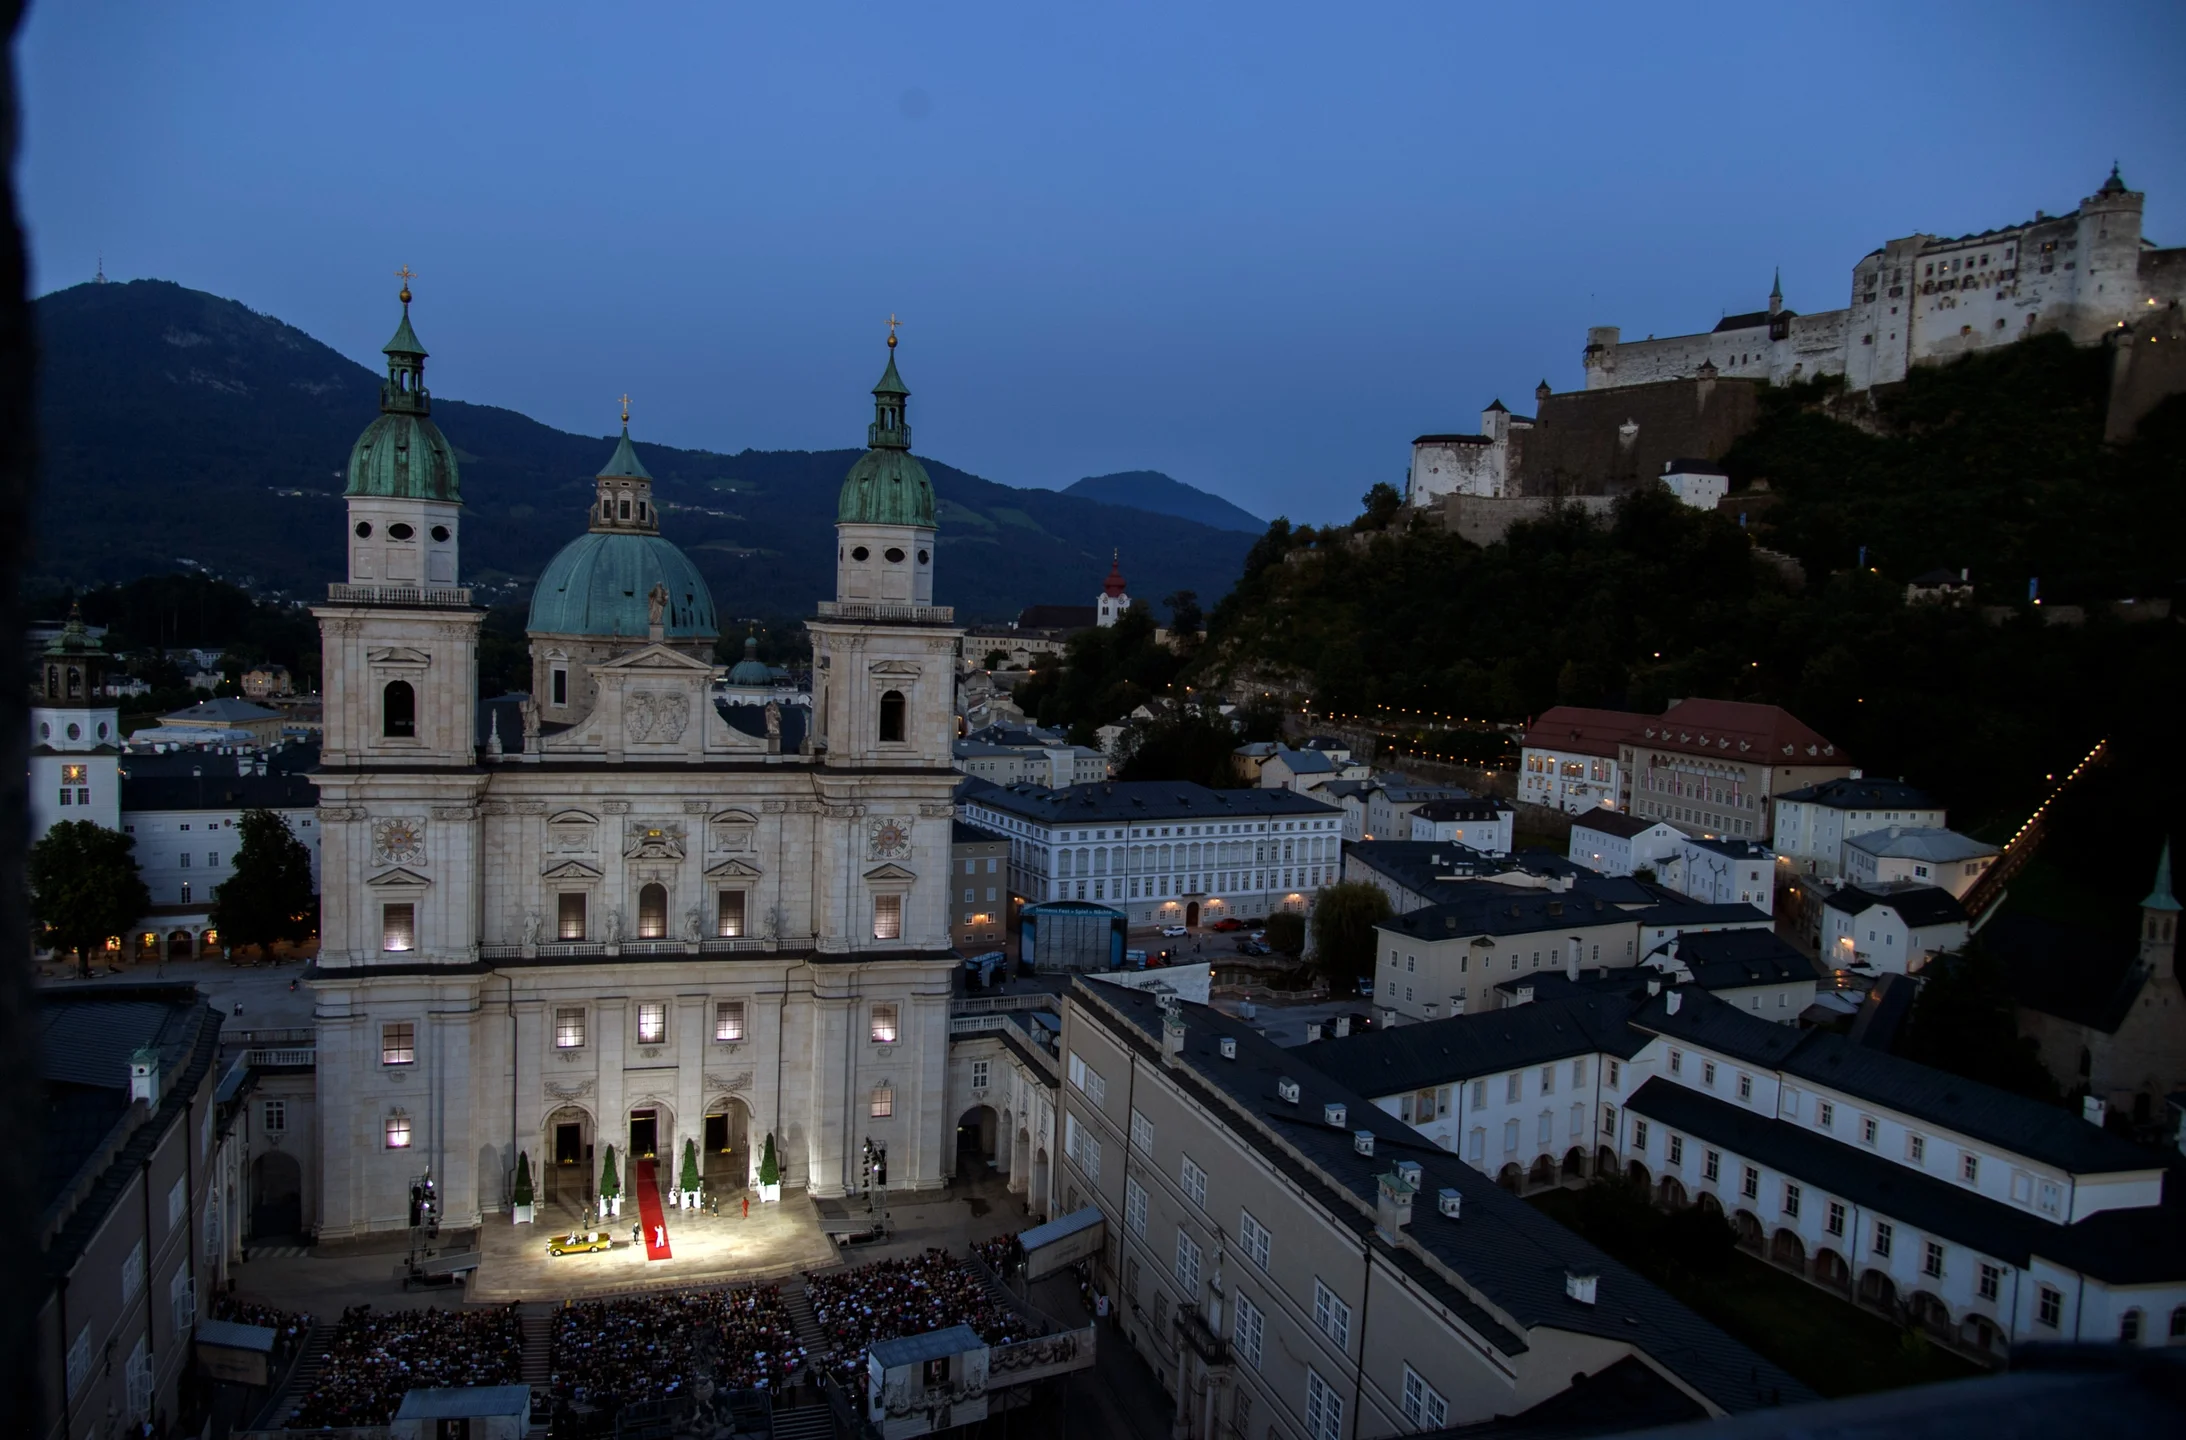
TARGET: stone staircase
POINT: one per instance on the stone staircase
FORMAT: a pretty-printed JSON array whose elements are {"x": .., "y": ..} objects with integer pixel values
[
  {"x": 537, "y": 1321},
  {"x": 812, "y": 1422},
  {"x": 801, "y": 1316},
  {"x": 311, "y": 1359}
]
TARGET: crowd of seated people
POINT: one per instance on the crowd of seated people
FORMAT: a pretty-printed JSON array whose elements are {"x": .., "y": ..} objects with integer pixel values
[
  {"x": 911, "y": 1296},
  {"x": 379, "y": 1355},
  {"x": 1002, "y": 1254},
  {"x": 611, "y": 1353},
  {"x": 289, "y": 1328}
]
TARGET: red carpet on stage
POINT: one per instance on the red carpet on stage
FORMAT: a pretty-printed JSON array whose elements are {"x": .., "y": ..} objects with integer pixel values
[{"x": 650, "y": 1214}]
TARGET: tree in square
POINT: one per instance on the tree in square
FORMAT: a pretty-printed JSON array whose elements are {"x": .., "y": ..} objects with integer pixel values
[{"x": 85, "y": 888}]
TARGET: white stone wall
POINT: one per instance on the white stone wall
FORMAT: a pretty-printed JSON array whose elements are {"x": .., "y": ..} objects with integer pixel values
[
  {"x": 1466, "y": 466},
  {"x": 1572, "y": 781},
  {"x": 198, "y": 847}
]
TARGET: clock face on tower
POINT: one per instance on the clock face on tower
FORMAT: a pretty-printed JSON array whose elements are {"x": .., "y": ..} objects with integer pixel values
[
  {"x": 399, "y": 841},
  {"x": 891, "y": 839}
]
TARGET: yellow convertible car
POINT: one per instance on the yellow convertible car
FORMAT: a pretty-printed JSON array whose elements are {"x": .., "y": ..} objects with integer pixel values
[{"x": 579, "y": 1243}]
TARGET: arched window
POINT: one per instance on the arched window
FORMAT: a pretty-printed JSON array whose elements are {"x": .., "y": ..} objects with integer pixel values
[
  {"x": 891, "y": 715},
  {"x": 2129, "y": 1328},
  {"x": 398, "y": 709},
  {"x": 626, "y": 508},
  {"x": 653, "y": 912},
  {"x": 2178, "y": 1323}
]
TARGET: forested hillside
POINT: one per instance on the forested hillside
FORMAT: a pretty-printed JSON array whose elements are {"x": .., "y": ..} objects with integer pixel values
[
  {"x": 177, "y": 425},
  {"x": 1995, "y": 465}
]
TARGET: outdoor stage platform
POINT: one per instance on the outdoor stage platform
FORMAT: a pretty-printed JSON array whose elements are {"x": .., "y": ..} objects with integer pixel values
[{"x": 777, "y": 1241}]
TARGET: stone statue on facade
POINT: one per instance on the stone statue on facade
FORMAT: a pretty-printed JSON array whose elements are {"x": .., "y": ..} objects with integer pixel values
[
  {"x": 534, "y": 923},
  {"x": 693, "y": 923},
  {"x": 656, "y": 603},
  {"x": 613, "y": 920}
]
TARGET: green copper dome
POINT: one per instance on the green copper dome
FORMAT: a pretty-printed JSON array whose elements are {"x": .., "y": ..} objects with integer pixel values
[
  {"x": 598, "y": 585},
  {"x": 402, "y": 455},
  {"x": 751, "y": 672},
  {"x": 887, "y": 486}
]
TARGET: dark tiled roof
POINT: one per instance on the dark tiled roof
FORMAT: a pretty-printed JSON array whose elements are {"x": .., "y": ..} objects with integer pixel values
[
  {"x": 1486, "y": 907},
  {"x": 1142, "y": 801},
  {"x": 1694, "y": 913},
  {"x": 1615, "y": 1400},
  {"x": 86, "y": 1038},
  {"x": 221, "y": 710},
  {"x": 1502, "y": 1250},
  {"x": 2011, "y": 1122},
  {"x": 1482, "y": 808},
  {"x": 1616, "y": 822},
  {"x": 1453, "y": 440},
  {"x": 1917, "y": 905},
  {"x": 1768, "y": 734},
  {"x": 1730, "y": 959},
  {"x": 1863, "y": 794},
  {"x": 1730, "y": 846},
  {"x": 1391, "y": 1061},
  {"x": 963, "y": 832},
  {"x": 1751, "y": 320},
  {"x": 1855, "y": 1173},
  {"x": 1684, "y": 465},
  {"x": 284, "y": 791}
]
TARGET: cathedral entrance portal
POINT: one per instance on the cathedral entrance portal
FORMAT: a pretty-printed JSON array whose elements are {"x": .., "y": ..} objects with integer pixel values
[
  {"x": 644, "y": 1133},
  {"x": 568, "y": 1143},
  {"x": 1191, "y": 913},
  {"x": 569, "y": 1175},
  {"x": 728, "y": 1160}
]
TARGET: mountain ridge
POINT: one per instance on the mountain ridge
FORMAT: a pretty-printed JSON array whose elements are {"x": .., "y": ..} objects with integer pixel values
[
  {"x": 1167, "y": 495},
  {"x": 179, "y": 426}
]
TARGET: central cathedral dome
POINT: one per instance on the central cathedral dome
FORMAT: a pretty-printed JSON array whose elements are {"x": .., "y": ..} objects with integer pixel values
[{"x": 601, "y": 582}]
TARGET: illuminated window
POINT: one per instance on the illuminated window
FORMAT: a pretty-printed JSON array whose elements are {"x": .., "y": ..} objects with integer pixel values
[
  {"x": 887, "y": 917},
  {"x": 729, "y": 914},
  {"x": 653, "y": 912},
  {"x": 569, "y": 1029},
  {"x": 652, "y": 1021},
  {"x": 728, "y": 1020},
  {"x": 884, "y": 1025},
  {"x": 398, "y": 925},
  {"x": 569, "y": 920},
  {"x": 884, "y": 1102},
  {"x": 398, "y": 1131},
  {"x": 398, "y": 1043}
]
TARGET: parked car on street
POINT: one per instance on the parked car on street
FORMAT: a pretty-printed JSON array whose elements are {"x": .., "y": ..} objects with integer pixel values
[
  {"x": 1228, "y": 922},
  {"x": 1171, "y": 932}
]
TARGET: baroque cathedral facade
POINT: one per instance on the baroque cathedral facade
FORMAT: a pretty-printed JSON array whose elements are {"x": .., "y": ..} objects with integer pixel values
[{"x": 640, "y": 905}]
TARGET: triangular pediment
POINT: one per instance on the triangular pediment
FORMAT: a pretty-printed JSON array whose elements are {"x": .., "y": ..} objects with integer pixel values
[
  {"x": 398, "y": 655},
  {"x": 725, "y": 868},
  {"x": 656, "y": 658},
  {"x": 895, "y": 667},
  {"x": 890, "y": 872},
  {"x": 397, "y": 877},
  {"x": 570, "y": 870}
]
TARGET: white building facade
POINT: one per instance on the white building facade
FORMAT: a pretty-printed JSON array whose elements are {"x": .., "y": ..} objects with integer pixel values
[
  {"x": 618, "y": 914},
  {"x": 1814, "y": 821}
]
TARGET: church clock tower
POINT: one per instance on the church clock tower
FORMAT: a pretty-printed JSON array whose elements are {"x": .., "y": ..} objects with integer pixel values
[{"x": 399, "y": 773}]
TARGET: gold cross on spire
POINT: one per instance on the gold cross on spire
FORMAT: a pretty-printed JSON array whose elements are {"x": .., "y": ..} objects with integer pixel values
[
  {"x": 406, "y": 275},
  {"x": 893, "y": 322},
  {"x": 626, "y": 407}
]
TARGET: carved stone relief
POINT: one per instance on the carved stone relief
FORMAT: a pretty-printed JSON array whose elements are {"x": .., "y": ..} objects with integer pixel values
[{"x": 657, "y": 716}]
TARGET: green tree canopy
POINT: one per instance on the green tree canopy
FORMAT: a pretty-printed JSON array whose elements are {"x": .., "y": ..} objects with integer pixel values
[
  {"x": 1344, "y": 916},
  {"x": 770, "y": 1173},
  {"x": 1188, "y": 743},
  {"x": 268, "y": 898},
  {"x": 1287, "y": 932},
  {"x": 84, "y": 887},
  {"x": 1966, "y": 1021}
]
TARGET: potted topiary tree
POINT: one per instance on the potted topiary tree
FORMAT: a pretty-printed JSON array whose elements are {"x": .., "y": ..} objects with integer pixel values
[
  {"x": 610, "y": 1187},
  {"x": 689, "y": 1177},
  {"x": 520, "y": 1197},
  {"x": 770, "y": 1174}
]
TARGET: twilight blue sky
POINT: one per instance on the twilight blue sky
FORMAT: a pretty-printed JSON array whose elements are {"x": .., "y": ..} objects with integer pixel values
[{"x": 1256, "y": 246}]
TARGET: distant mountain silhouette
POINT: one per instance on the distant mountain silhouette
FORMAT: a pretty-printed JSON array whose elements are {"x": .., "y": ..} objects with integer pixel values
[
  {"x": 1152, "y": 490},
  {"x": 176, "y": 425}
]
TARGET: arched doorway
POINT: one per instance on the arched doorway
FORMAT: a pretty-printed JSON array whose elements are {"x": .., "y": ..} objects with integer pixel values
[
  {"x": 1543, "y": 1172},
  {"x": 653, "y": 912},
  {"x": 1038, "y": 1197},
  {"x": 1511, "y": 1178},
  {"x": 1575, "y": 1163},
  {"x": 975, "y": 1140},
  {"x": 1786, "y": 1250},
  {"x": 726, "y": 1161},
  {"x": 276, "y": 1196},
  {"x": 651, "y": 1132},
  {"x": 1876, "y": 1290},
  {"x": 566, "y": 1158},
  {"x": 1637, "y": 1174},
  {"x": 1981, "y": 1333},
  {"x": 180, "y": 946},
  {"x": 1830, "y": 1270},
  {"x": 1750, "y": 1234},
  {"x": 1709, "y": 1205},
  {"x": 1191, "y": 913},
  {"x": 1930, "y": 1313},
  {"x": 1671, "y": 1193},
  {"x": 1021, "y": 1162}
]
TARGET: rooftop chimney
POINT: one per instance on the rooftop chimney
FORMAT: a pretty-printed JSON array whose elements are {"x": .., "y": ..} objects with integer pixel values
[
  {"x": 1363, "y": 1141},
  {"x": 1392, "y": 1203},
  {"x": 1229, "y": 1047},
  {"x": 1172, "y": 1038},
  {"x": 1288, "y": 1089},
  {"x": 1333, "y": 1113},
  {"x": 1674, "y": 1000},
  {"x": 1581, "y": 1287},
  {"x": 1343, "y": 1026},
  {"x": 1313, "y": 1031},
  {"x": 1450, "y": 1201},
  {"x": 144, "y": 1077}
]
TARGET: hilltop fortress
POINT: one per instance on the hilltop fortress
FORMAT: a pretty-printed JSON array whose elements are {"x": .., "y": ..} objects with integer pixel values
[
  {"x": 1680, "y": 402},
  {"x": 1924, "y": 300}
]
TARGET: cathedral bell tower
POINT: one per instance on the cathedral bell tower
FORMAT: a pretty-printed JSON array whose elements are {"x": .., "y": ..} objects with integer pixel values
[
  {"x": 399, "y": 641},
  {"x": 883, "y": 652}
]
